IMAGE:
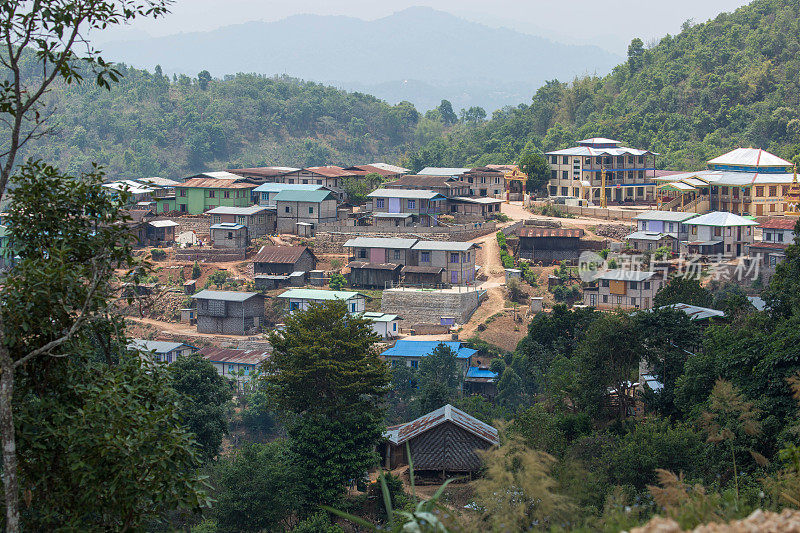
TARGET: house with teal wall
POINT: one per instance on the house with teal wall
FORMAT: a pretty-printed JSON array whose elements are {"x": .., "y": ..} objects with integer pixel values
[{"x": 198, "y": 195}]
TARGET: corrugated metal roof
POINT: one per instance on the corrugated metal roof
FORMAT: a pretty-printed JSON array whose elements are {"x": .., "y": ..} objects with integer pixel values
[
  {"x": 477, "y": 200},
  {"x": 212, "y": 183},
  {"x": 484, "y": 373},
  {"x": 304, "y": 196},
  {"x": 263, "y": 172},
  {"x": 226, "y": 210},
  {"x": 228, "y": 296},
  {"x": 750, "y": 157},
  {"x": 424, "y": 182},
  {"x": 392, "y": 215},
  {"x": 665, "y": 216},
  {"x": 163, "y": 223},
  {"x": 586, "y": 151},
  {"x": 278, "y": 187},
  {"x": 406, "y": 193},
  {"x": 444, "y": 246},
  {"x": 648, "y": 236},
  {"x": 380, "y": 317},
  {"x": 769, "y": 245},
  {"x": 779, "y": 223},
  {"x": 391, "y": 168},
  {"x": 320, "y": 294},
  {"x": 218, "y": 175},
  {"x": 624, "y": 275},
  {"x": 161, "y": 182},
  {"x": 550, "y": 232},
  {"x": 330, "y": 171},
  {"x": 411, "y": 269},
  {"x": 234, "y": 356},
  {"x": 159, "y": 347},
  {"x": 695, "y": 312},
  {"x": 404, "y": 432},
  {"x": 227, "y": 225},
  {"x": 373, "y": 266},
  {"x": 443, "y": 171},
  {"x": 380, "y": 242},
  {"x": 408, "y": 348},
  {"x": 721, "y": 219},
  {"x": 598, "y": 140},
  {"x": 280, "y": 254}
]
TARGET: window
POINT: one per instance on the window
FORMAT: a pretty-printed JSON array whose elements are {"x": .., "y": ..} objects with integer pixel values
[
  {"x": 397, "y": 255},
  {"x": 553, "y": 175},
  {"x": 412, "y": 204},
  {"x": 211, "y": 194},
  {"x": 633, "y": 285},
  {"x": 182, "y": 193},
  {"x": 717, "y": 232},
  {"x": 767, "y": 236},
  {"x": 353, "y": 307},
  {"x": 310, "y": 210},
  {"x": 759, "y": 191},
  {"x": 647, "y": 285},
  {"x": 305, "y": 182},
  {"x": 215, "y": 219},
  {"x": 729, "y": 232},
  {"x": 780, "y": 237},
  {"x": 728, "y": 248},
  {"x": 362, "y": 253},
  {"x": 230, "y": 235},
  {"x": 169, "y": 358},
  {"x": 182, "y": 208},
  {"x": 262, "y": 219},
  {"x": 565, "y": 174},
  {"x": 554, "y": 159},
  {"x": 468, "y": 257},
  {"x": 605, "y": 298},
  {"x": 671, "y": 226},
  {"x": 394, "y": 326},
  {"x": 604, "y": 283},
  {"x": 641, "y": 174},
  {"x": 413, "y": 364},
  {"x": 379, "y": 203},
  {"x": 633, "y": 301},
  {"x": 288, "y": 209},
  {"x": 424, "y": 257},
  {"x": 241, "y": 219},
  {"x": 773, "y": 191},
  {"x": 319, "y": 182},
  {"x": 227, "y": 194},
  {"x": 454, "y": 257},
  {"x": 565, "y": 160},
  {"x": 294, "y": 306}
]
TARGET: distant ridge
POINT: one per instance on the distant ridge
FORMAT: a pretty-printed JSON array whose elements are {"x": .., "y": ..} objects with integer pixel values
[{"x": 418, "y": 54}]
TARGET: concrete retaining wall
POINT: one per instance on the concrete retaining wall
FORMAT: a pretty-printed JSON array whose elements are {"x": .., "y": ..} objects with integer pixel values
[{"x": 429, "y": 306}]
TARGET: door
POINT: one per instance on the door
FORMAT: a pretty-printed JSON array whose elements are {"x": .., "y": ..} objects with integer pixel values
[
  {"x": 738, "y": 249},
  {"x": 394, "y": 205},
  {"x": 454, "y": 276},
  {"x": 593, "y": 300}
]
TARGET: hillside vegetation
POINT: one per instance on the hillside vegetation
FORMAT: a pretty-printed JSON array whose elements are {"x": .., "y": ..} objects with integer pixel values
[
  {"x": 732, "y": 81},
  {"x": 150, "y": 124}
]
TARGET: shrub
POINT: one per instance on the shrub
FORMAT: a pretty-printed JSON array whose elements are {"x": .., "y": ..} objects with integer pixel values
[
  {"x": 158, "y": 254},
  {"x": 336, "y": 264},
  {"x": 337, "y": 281},
  {"x": 501, "y": 240},
  {"x": 515, "y": 292},
  {"x": 501, "y": 217},
  {"x": 196, "y": 270}
]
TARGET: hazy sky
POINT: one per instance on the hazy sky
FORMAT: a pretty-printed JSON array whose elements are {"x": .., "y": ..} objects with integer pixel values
[{"x": 609, "y": 23}]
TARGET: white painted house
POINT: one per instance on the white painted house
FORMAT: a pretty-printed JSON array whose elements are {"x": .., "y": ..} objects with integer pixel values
[
  {"x": 384, "y": 324},
  {"x": 302, "y": 299}
]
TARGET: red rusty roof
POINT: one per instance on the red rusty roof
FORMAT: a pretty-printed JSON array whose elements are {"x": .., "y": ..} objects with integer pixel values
[
  {"x": 230, "y": 355},
  {"x": 550, "y": 232},
  {"x": 330, "y": 171},
  {"x": 280, "y": 254},
  {"x": 404, "y": 432},
  {"x": 779, "y": 223},
  {"x": 262, "y": 172},
  {"x": 363, "y": 170},
  {"x": 770, "y": 245}
]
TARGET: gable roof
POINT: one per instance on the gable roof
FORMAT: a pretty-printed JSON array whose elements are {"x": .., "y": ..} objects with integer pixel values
[
  {"x": 227, "y": 225},
  {"x": 444, "y": 246},
  {"x": 263, "y": 172},
  {"x": 443, "y": 171},
  {"x": 280, "y": 254},
  {"x": 647, "y": 236},
  {"x": 391, "y": 168},
  {"x": 371, "y": 169},
  {"x": 415, "y": 181},
  {"x": 330, "y": 171},
  {"x": 779, "y": 223},
  {"x": 161, "y": 182},
  {"x": 720, "y": 218},
  {"x": 304, "y": 196},
  {"x": 409, "y": 348},
  {"x": 213, "y": 183},
  {"x": 666, "y": 216},
  {"x": 750, "y": 157},
  {"x": 227, "y": 210},
  {"x": 695, "y": 312},
  {"x": 620, "y": 274},
  {"x": 155, "y": 346},
  {"x": 163, "y": 223},
  {"x": 231, "y": 355},
  {"x": 319, "y": 294},
  {"x": 447, "y": 413},
  {"x": 227, "y": 296},
  {"x": 406, "y": 193},
  {"x": 278, "y": 187},
  {"x": 379, "y": 242}
]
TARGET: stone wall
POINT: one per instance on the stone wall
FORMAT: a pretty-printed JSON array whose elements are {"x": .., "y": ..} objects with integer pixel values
[
  {"x": 211, "y": 255},
  {"x": 200, "y": 224},
  {"x": 429, "y": 306}
]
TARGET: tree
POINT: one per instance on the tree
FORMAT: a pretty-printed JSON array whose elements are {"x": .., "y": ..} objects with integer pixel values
[
  {"x": 205, "y": 394},
  {"x": 783, "y": 293},
  {"x": 358, "y": 188},
  {"x": 684, "y": 290},
  {"x": 446, "y": 112},
  {"x": 533, "y": 164},
  {"x": 325, "y": 374},
  {"x": 473, "y": 116},
  {"x": 49, "y": 38},
  {"x": 196, "y": 272},
  {"x": 203, "y": 79},
  {"x": 337, "y": 281},
  {"x": 257, "y": 488},
  {"x": 439, "y": 378},
  {"x": 635, "y": 54}
]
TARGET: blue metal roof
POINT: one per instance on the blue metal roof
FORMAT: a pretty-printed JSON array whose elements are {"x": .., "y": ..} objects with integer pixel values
[
  {"x": 476, "y": 372},
  {"x": 406, "y": 348}
]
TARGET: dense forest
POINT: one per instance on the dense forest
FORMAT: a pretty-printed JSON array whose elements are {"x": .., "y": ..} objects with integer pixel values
[
  {"x": 733, "y": 81},
  {"x": 150, "y": 124}
]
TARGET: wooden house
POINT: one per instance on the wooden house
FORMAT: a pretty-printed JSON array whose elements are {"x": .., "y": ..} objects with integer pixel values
[
  {"x": 456, "y": 258},
  {"x": 411, "y": 352},
  {"x": 373, "y": 275},
  {"x": 441, "y": 442},
  {"x": 447, "y": 186},
  {"x": 239, "y": 366},
  {"x": 265, "y": 193},
  {"x": 485, "y": 181},
  {"x": 283, "y": 260},
  {"x": 623, "y": 289},
  {"x": 303, "y": 299},
  {"x": 651, "y": 240},
  {"x": 161, "y": 232},
  {"x": 161, "y": 351},
  {"x": 476, "y": 206},
  {"x": 549, "y": 245},
  {"x": 381, "y": 250},
  {"x": 719, "y": 233},
  {"x": 229, "y": 312},
  {"x": 423, "y": 206},
  {"x": 777, "y": 234},
  {"x": 213, "y": 189},
  {"x": 481, "y": 381}
]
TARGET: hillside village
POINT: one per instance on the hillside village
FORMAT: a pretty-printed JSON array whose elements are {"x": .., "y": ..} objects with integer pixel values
[{"x": 457, "y": 255}]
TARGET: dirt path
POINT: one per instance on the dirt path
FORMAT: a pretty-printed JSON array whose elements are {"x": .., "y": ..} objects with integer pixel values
[{"x": 182, "y": 329}]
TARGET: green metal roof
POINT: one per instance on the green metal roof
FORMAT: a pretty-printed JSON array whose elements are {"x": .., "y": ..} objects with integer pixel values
[{"x": 303, "y": 196}]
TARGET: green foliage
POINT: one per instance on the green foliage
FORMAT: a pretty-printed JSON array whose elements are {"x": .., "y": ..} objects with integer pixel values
[
  {"x": 337, "y": 281},
  {"x": 682, "y": 289},
  {"x": 196, "y": 272},
  {"x": 257, "y": 414},
  {"x": 551, "y": 210},
  {"x": 532, "y": 162},
  {"x": 204, "y": 397},
  {"x": 317, "y": 523},
  {"x": 218, "y": 278},
  {"x": 663, "y": 252},
  {"x": 257, "y": 488},
  {"x": 439, "y": 379},
  {"x": 359, "y": 187},
  {"x": 515, "y": 291},
  {"x": 158, "y": 254},
  {"x": 325, "y": 374},
  {"x": 566, "y": 293},
  {"x": 501, "y": 240}
]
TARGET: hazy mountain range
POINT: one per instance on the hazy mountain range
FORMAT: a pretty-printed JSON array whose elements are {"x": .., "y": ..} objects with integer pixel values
[{"x": 419, "y": 54}]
